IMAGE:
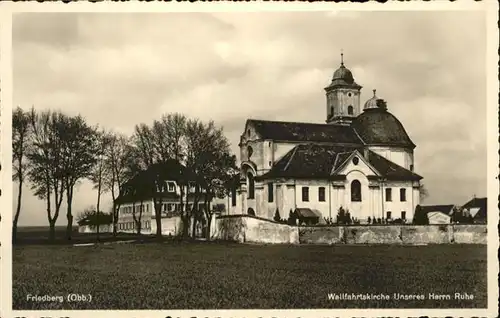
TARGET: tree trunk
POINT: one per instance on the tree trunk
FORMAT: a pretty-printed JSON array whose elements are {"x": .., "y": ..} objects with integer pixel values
[
  {"x": 69, "y": 215},
  {"x": 116, "y": 215},
  {"x": 208, "y": 215},
  {"x": 52, "y": 230},
  {"x": 158, "y": 217},
  {"x": 98, "y": 207},
  {"x": 18, "y": 211},
  {"x": 52, "y": 233}
]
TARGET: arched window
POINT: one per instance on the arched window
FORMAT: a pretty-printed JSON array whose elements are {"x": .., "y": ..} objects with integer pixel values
[
  {"x": 350, "y": 110},
  {"x": 249, "y": 152},
  {"x": 251, "y": 186},
  {"x": 355, "y": 191},
  {"x": 250, "y": 211}
]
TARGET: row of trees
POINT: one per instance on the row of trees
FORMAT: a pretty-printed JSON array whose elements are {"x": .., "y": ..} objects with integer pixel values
[{"x": 54, "y": 152}]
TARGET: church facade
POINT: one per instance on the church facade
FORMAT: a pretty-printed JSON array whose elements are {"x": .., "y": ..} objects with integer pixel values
[{"x": 361, "y": 159}]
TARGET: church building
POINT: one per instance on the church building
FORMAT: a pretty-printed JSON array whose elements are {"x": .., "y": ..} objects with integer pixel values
[{"x": 361, "y": 159}]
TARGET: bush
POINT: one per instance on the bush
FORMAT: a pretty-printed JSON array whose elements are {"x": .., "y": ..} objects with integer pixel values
[
  {"x": 420, "y": 217},
  {"x": 277, "y": 216},
  {"x": 292, "y": 218}
]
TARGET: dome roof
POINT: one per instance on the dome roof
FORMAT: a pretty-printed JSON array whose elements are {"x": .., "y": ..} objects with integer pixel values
[
  {"x": 343, "y": 73},
  {"x": 378, "y": 127},
  {"x": 342, "y": 77},
  {"x": 372, "y": 102}
]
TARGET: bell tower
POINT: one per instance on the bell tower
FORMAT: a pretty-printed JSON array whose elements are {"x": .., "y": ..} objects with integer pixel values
[{"x": 342, "y": 96}]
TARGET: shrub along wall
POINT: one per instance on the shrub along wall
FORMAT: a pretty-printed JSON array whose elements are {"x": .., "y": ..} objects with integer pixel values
[{"x": 246, "y": 228}]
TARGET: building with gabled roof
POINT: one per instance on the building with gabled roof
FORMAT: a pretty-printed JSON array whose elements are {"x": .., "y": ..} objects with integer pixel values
[
  {"x": 477, "y": 209},
  {"x": 360, "y": 159}
]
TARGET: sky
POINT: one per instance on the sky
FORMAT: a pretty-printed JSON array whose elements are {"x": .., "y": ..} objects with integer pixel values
[{"x": 121, "y": 69}]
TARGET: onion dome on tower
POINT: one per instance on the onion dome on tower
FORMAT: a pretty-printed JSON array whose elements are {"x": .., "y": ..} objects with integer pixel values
[
  {"x": 378, "y": 127},
  {"x": 343, "y": 76}
]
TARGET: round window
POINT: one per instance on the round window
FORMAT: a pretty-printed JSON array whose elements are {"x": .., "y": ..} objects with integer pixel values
[
  {"x": 355, "y": 160},
  {"x": 349, "y": 94}
]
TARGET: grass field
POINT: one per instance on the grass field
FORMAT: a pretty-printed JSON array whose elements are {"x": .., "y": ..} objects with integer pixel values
[
  {"x": 222, "y": 276},
  {"x": 30, "y": 235}
]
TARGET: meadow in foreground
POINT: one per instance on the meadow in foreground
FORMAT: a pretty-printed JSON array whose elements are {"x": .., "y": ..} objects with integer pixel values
[{"x": 226, "y": 275}]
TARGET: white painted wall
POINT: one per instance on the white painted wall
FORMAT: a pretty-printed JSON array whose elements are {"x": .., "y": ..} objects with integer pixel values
[{"x": 400, "y": 156}]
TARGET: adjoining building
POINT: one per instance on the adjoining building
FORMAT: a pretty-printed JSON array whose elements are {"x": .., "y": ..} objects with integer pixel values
[
  {"x": 476, "y": 209},
  {"x": 438, "y": 214},
  {"x": 361, "y": 159},
  {"x": 131, "y": 202}
]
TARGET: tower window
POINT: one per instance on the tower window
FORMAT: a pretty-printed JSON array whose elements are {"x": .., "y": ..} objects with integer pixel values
[
  {"x": 350, "y": 110},
  {"x": 331, "y": 110},
  {"x": 349, "y": 94}
]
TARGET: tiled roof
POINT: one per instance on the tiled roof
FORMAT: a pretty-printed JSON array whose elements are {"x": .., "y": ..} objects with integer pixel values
[
  {"x": 379, "y": 127},
  {"x": 307, "y": 161},
  {"x": 305, "y": 132},
  {"x": 318, "y": 161},
  {"x": 446, "y": 209},
  {"x": 480, "y": 203},
  {"x": 165, "y": 196},
  {"x": 390, "y": 170}
]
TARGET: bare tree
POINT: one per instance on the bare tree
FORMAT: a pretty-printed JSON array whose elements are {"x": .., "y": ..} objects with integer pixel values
[
  {"x": 20, "y": 142},
  {"x": 209, "y": 157},
  {"x": 46, "y": 160},
  {"x": 424, "y": 194},
  {"x": 156, "y": 148},
  {"x": 80, "y": 149},
  {"x": 115, "y": 171},
  {"x": 99, "y": 170}
]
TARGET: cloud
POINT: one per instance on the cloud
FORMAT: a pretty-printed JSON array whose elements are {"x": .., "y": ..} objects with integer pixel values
[{"x": 118, "y": 70}]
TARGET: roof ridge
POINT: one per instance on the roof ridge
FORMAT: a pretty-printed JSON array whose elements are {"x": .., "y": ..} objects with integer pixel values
[
  {"x": 293, "y": 122},
  {"x": 291, "y": 157},
  {"x": 357, "y": 135}
]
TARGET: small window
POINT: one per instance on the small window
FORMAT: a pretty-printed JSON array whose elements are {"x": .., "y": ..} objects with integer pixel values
[
  {"x": 233, "y": 196},
  {"x": 350, "y": 110},
  {"x": 402, "y": 195},
  {"x": 171, "y": 187},
  {"x": 403, "y": 215},
  {"x": 349, "y": 94},
  {"x": 411, "y": 167},
  {"x": 269, "y": 143},
  {"x": 331, "y": 110},
  {"x": 388, "y": 215},
  {"x": 388, "y": 195},
  {"x": 270, "y": 192},
  {"x": 321, "y": 194},
  {"x": 305, "y": 194},
  {"x": 251, "y": 186},
  {"x": 355, "y": 160},
  {"x": 270, "y": 164}
]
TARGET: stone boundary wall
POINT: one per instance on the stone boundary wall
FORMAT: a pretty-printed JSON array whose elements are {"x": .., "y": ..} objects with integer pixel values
[
  {"x": 253, "y": 229},
  {"x": 246, "y": 228}
]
